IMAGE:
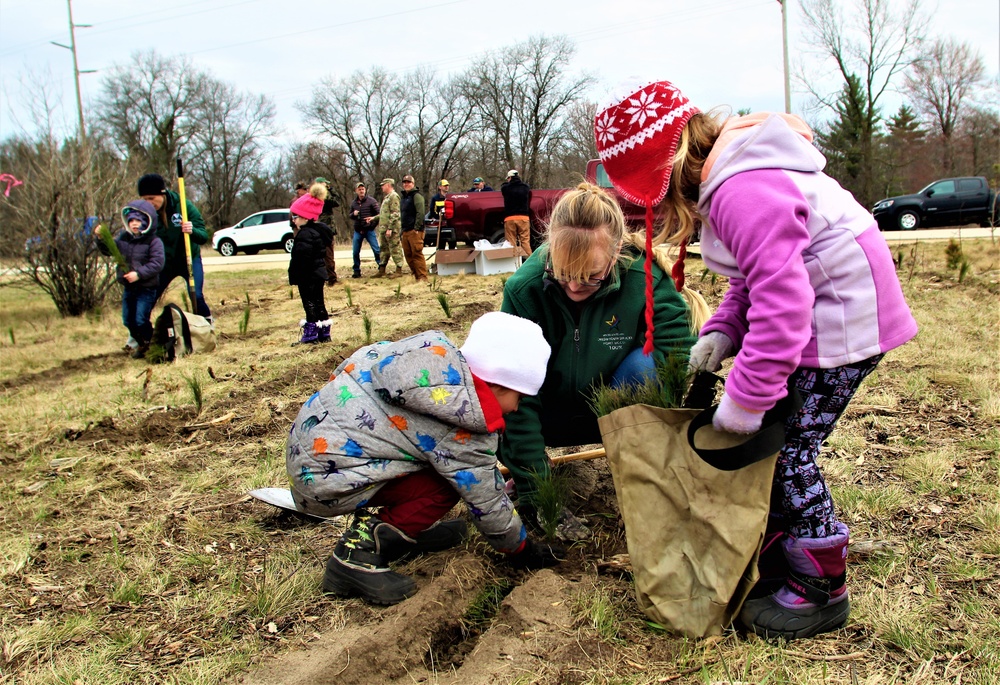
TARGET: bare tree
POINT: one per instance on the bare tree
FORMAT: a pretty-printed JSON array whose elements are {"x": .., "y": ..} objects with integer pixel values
[
  {"x": 60, "y": 255},
  {"x": 152, "y": 107},
  {"x": 547, "y": 94},
  {"x": 309, "y": 160},
  {"x": 269, "y": 186},
  {"x": 980, "y": 130},
  {"x": 440, "y": 120},
  {"x": 365, "y": 113},
  {"x": 521, "y": 95},
  {"x": 578, "y": 145},
  {"x": 941, "y": 83},
  {"x": 873, "y": 41},
  {"x": 228, "y": 147}
]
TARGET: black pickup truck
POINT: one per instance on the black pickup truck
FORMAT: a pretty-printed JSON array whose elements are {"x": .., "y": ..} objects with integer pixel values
[{"x": 947, "y": 202}]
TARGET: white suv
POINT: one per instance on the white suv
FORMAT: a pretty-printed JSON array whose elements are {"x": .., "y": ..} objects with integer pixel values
[{"x": 261, "y": 231}]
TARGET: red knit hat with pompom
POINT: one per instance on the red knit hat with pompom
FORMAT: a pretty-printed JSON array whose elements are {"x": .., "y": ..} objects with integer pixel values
[{"x": 637, "y": 134}]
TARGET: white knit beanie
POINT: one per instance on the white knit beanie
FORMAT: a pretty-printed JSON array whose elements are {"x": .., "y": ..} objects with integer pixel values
[{"x": 507, "y": 350}]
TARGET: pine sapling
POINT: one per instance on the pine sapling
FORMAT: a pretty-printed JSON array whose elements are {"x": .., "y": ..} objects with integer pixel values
[
  {"x": 552, "y": 491},
  {"x": 399, "y": 289},
  {"x": 953, "y": 254},
  {"x": 347, "y": 291},
  {"x": 194, "y": 384},
  {"x": 104, "y": 233},
  {"x": 245, "y": 321},
  {"x": 443, "y": 301},
  {"x": 964, "y": 269},
  {"x": 367, "y": 322},
  {"x": 10, "y": 332}
]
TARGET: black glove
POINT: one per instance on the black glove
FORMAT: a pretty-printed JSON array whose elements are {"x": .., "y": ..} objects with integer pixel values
[{"x": 536, "y": 555}]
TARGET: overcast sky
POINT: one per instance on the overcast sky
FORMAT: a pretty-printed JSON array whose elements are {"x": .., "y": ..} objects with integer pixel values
[{"x": 719, "y": 52}]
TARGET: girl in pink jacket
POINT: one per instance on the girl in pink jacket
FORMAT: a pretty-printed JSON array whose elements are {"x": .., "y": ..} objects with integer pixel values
[{"x": 813, "y": 300}]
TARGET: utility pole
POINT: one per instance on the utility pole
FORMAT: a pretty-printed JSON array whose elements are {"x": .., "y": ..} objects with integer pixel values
[
  {"x": 84, "y": 147},
  {"x": 784, "y": 50},
  {"x": 76, "y": 66}
]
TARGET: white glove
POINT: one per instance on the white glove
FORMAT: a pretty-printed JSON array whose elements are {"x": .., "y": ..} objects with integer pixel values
[
  {"x": 732, "y": 418},
  {"x": 708, "y": 353}
]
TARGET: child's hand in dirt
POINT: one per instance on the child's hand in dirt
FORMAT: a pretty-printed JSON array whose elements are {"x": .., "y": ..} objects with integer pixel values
[{"x": 535, "y": 555}]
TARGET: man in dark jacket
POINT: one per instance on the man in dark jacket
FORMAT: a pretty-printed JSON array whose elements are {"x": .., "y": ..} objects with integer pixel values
[
  {"x": 516, "y": 208},
  {"x": 171, "y": 229},
  {"x": 411, "y": 210},
  {"x": 479, "y": 186},
  {"x": 364, "y": 212}
]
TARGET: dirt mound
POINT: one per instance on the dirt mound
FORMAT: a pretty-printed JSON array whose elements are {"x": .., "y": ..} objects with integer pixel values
[{"x": 405, "y": 645}]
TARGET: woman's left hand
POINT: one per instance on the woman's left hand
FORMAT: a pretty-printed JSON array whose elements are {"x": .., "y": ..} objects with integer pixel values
[{"x": 187, "y": 227}]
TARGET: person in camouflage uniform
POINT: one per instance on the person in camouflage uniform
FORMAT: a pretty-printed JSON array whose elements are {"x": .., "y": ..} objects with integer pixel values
[{"x": 389, "y": 229}]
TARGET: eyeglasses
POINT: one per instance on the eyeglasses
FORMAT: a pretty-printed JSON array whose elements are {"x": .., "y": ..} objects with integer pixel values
[
  {"x": 590, "y": 283},
  {"x": 407, "y": 180}
]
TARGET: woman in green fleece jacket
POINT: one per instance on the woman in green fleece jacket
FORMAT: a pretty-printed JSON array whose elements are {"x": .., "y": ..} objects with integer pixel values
[{"x": 585, "y": 287}]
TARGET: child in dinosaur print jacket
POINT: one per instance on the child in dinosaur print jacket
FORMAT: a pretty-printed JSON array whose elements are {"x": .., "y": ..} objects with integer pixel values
[{"x": 407, "y": 428}]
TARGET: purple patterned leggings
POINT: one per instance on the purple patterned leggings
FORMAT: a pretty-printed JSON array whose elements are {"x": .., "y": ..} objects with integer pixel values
[{"x": 799, "y": 494}]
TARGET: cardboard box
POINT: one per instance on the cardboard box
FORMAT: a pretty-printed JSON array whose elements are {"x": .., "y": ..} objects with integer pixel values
[
  {"x": 451, "y": 262},
  {"x": 498, "y": 260}
]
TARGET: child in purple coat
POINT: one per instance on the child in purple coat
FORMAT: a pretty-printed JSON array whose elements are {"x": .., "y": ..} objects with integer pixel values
[
  {"x": 144, "y": 260},
  {"x": 813, "y": 299}
]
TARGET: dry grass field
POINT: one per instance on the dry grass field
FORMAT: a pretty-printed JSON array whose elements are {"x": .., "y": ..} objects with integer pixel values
[{"x": 130, "y": 553}]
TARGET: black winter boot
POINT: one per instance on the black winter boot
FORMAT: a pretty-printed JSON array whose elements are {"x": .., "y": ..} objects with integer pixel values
[
  {"x": 813, "y": 599},
  {"x": 394, "y": 544},
  {"x": 357, "y": 567}
]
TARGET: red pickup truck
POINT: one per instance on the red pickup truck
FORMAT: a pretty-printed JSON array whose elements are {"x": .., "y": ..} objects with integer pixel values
[{"x": 469, "y": 217}]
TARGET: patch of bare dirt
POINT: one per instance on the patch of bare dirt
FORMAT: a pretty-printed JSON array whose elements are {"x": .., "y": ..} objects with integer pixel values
[{"x": 406, "y": 644}]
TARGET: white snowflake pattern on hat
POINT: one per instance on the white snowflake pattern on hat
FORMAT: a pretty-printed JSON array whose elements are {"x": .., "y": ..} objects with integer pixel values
[
  {"x": 606, "y": 128},
  {"x": 637, "y": 134},
  {"x": 641, "y": 135},
  {"x": 643, "y": 107}
]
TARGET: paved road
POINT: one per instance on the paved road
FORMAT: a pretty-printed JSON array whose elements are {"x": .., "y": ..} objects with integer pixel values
[{"x": 276, "y": 259}]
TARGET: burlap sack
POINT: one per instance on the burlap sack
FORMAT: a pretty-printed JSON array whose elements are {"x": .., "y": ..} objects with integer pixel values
[{"x": 694, "y": 531}]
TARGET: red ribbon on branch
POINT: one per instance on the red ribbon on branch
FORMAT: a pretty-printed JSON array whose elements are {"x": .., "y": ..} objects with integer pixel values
[{"x": 11, "y": 183}]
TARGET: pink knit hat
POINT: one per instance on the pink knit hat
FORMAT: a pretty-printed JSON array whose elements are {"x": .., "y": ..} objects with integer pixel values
[
  {"x": 637, "y": 134},
  {"x": 310, "y": 205}
]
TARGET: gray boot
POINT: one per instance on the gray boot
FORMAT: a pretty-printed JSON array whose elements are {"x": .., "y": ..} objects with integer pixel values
[{"x": 358, "y": 568}]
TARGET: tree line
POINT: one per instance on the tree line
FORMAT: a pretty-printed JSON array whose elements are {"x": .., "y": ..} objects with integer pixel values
[{"x": 520, "y": 107}]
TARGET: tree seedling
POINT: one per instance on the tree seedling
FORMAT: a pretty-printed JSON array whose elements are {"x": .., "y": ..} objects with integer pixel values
[{"x": 443, "y": 301}]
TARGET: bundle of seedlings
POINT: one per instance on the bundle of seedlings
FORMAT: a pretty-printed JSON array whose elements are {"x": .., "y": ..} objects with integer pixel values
[
  {"x": 665, "y": 388},
  {"x": 104, "y": 233}
]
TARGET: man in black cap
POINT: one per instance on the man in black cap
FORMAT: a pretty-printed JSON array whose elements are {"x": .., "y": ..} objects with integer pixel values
[
  {"x": 479, "y": 186},
  {"x": 171, "y": 230}
]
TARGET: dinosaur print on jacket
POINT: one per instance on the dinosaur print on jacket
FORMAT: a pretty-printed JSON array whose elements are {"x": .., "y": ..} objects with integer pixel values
[{"x": 395, "y": 409}]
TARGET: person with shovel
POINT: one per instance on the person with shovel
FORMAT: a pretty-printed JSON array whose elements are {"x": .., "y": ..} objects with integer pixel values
[
  {"x": 813, "y": 302},
  {"x": 171, "y": 230},
  {"x": 585, "y": 286}
]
